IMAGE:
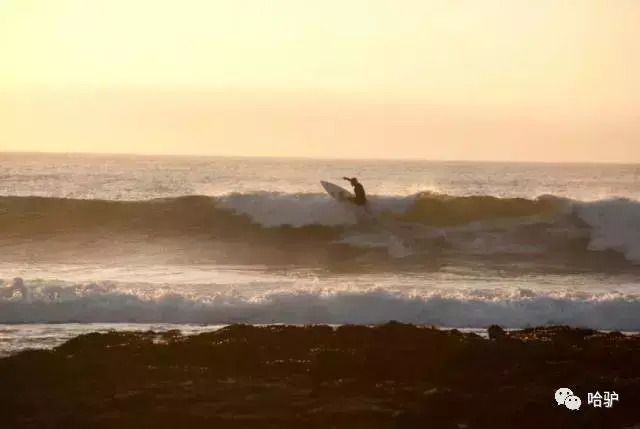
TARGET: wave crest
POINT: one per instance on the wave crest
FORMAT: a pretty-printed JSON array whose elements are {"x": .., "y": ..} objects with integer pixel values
[
  {"x": 484, "y": 223},
  {"x": 104, "y": 303}
]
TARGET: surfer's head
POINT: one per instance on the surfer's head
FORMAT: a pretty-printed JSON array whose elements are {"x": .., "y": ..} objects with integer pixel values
[{"x": 353, "y": 180}]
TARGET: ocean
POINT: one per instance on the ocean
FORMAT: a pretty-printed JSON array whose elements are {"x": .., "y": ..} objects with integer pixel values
[{"x": 99, "y": 242}]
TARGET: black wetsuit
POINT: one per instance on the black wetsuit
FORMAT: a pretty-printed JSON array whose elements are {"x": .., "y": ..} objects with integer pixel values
[{"x": 360, "y": 198}]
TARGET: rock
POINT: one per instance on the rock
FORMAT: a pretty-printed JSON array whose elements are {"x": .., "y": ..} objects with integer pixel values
[
  {"x": 391, "y": 375},
  {"x": 496, "y": 332}
]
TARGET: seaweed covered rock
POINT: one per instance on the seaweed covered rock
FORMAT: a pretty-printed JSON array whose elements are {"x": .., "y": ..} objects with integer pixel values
[{"x": 392, "y": 375}]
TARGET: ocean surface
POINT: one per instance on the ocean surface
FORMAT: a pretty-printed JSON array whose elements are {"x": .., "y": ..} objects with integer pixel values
[{"x": 95, "y": 242}]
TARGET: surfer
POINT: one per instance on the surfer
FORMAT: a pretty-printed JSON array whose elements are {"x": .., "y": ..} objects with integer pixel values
[{"x": 361, "y": 198}]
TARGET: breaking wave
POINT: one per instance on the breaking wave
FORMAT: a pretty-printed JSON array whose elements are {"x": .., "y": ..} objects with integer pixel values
[
  {"x": 516, "y": 307},
  {"x": 476, "y": 224}
]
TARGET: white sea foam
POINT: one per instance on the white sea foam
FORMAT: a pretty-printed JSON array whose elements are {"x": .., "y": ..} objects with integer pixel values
[
  {"x": 271, "y": 209},
  {"x": 473, "y": 307},
  {"x": 615, "y": 225}
]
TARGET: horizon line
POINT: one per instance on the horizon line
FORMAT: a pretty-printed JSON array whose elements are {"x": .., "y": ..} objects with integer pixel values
[{"x": 312, "y": 158}]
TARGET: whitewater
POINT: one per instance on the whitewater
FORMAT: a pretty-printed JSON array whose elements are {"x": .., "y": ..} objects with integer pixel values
[{"x": 94, "y": 242}]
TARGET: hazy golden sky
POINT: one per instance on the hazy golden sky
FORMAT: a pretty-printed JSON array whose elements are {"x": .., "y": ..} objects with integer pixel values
[{"x": 448, "y": 79}]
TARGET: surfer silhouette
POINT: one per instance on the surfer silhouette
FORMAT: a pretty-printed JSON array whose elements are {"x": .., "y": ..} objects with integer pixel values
[{"x": 360, "y": 198}]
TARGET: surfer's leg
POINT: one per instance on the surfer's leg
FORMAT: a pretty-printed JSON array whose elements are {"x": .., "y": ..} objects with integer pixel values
[{"x": 362, "y": 203}]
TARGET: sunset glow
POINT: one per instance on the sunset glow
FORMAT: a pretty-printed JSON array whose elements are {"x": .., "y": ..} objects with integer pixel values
[{"x": 438, "y": 79}]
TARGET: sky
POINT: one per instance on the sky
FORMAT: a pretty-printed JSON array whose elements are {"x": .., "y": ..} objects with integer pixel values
[{"x": 550, "y": 80}]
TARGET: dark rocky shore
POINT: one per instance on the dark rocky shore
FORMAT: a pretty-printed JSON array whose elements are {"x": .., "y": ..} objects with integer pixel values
[{"x": 388, "y": 376}]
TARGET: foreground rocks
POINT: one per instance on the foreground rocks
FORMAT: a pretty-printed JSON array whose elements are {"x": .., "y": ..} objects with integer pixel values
[{"x": 388, "y": 376}]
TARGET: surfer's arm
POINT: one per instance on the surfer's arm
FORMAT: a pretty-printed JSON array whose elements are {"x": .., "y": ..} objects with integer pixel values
[{"x": 346, "y": 178}]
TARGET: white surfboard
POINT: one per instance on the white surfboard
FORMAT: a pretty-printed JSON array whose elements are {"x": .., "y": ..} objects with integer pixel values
[{"x": 337, "y": 192}]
